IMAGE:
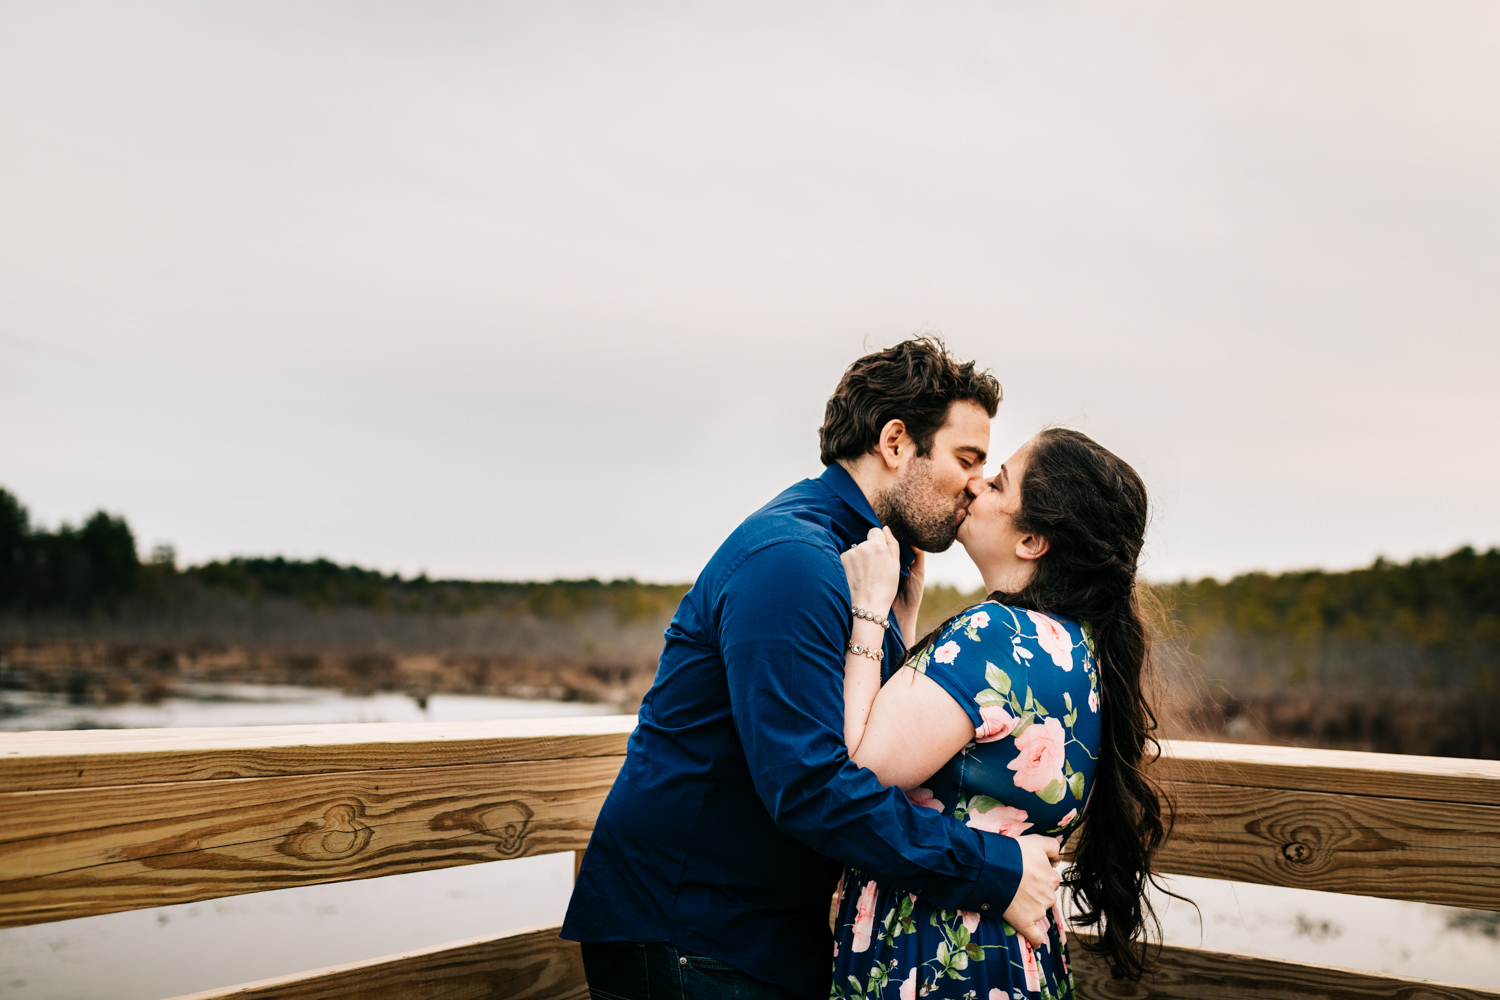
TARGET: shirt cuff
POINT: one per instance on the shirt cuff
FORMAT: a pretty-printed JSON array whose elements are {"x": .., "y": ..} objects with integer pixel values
[{"x": 998, "y": 880}]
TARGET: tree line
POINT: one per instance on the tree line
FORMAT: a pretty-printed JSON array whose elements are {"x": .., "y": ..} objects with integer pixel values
[
  {"x": 1428, "y": 602},
  {"x": 96, "y": 568},
  {"x": 1431, "y": 602}
]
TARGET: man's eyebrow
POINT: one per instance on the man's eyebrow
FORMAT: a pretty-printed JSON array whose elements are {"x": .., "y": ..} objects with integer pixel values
[{"x": 979, "y": 453}]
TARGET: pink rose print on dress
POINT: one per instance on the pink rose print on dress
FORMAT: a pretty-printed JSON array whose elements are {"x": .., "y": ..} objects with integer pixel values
[
  {"x": 1041, "y": 758},
  {"x": 909, "y": 986},
  {"x": 864, "y": 918},
  {"x": 970, "y": 919},
  {"x": 1004, "y": 820},
  {"x": 1072, "y": 815},
  {"x": 1062, "y": 929},
  {"x": 980, "y": 619},
  {"x": 947, "y": 652},
  {"x": 1053, "y": 638},
  {"x": 998, "y": 724},
  {"x": 1093, "y": 700},
  {"x": 923, "y": 797},
  {"x": 1028, "y": 962},
  {"x": 995, "y": 994}
]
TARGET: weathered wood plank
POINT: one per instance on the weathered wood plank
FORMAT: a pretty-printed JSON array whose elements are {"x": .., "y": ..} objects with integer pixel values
[
  {"x": 1397, "y": 776},
  {"x": 532, "y": 964},
  {"x": 79, "y": 852},
  {"x": 49, "y": 760},
  {"x": 1187, "y": 973},
  {"x": 1394, "y": 848},
  {"x": 34, "y": 761}
]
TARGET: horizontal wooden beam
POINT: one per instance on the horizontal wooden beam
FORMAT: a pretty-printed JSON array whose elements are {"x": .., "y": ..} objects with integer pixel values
[
  {"x": 1396, "y": 776},
  {"x": 532, "y": 964},
  {"x": 52, "y": 760},
  {"x": 1187, "y": 973},
  {"x": 1447, "y": 853},
  {"x": 85, "y": 851},
  {"x": 96, "y": 822}
]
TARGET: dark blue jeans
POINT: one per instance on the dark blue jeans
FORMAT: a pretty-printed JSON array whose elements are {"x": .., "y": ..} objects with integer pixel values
[{"x": 666, "y": 972}]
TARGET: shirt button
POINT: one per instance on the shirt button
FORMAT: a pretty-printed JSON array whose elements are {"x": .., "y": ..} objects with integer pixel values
[
  {"x": 682, "y": 961},
  {"x": 984, "y": 906}
]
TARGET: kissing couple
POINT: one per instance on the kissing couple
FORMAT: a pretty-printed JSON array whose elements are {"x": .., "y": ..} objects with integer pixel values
[{"x": 802, "y": 744}]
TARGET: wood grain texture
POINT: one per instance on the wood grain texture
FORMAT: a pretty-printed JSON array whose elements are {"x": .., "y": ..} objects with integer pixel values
[
  {"x": 51, "y": 760},
  {"x": 532, "y": 964},
  {"x": 1395, "y": 848},
  {"x": 1397, "y": 776},
  {"x": 1200, "y": 974},
  {"x": 78, "y": 852}
]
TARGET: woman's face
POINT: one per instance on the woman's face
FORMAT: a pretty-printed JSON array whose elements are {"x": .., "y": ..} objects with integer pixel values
[{"x": 989, "y": 533}]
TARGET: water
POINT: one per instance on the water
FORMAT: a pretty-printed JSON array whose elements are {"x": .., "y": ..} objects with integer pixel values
[
  {"x": 170, "y": 950},
  {"x": 1327, "y": 928},
  {"x": 166, "y": 951},
  {"x": 270, "y": 705}
]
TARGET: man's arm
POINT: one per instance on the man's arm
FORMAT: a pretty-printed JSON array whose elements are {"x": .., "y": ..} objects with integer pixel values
[{"x": 783, "y": 621}]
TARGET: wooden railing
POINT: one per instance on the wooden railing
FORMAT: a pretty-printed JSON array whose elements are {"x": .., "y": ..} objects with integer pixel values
[{"x": 99, "y": 822}]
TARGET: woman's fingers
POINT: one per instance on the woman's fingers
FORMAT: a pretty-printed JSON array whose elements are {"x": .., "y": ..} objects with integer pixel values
[{"x": 874, "y": 570}]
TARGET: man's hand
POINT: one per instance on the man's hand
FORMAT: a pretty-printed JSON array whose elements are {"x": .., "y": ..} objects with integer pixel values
[{"x": 1038, "y": 891}]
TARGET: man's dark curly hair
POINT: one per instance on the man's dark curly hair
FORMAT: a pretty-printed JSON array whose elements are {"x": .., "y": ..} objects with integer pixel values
[{"x": 914, "y": 382}]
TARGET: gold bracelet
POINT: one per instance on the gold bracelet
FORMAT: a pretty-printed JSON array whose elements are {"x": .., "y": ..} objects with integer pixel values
[
  {"x": 870, "y": 617},
  {"x": 858, "y": 650}
]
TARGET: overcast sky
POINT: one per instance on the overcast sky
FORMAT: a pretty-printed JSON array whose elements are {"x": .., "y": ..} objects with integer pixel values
[{"x": 560, "y": 289}]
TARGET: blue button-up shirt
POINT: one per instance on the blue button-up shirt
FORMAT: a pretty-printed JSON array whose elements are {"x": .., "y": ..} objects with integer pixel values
[{"x": 737, "y": 805}]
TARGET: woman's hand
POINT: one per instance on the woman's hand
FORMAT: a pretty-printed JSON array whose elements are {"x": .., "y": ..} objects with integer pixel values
[
  {"x": 874, "y": 571},
  {"x": 909, "y": 600},
  {"x": 1037, "y": 892}
]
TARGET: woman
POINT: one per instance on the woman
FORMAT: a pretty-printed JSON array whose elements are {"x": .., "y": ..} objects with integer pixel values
[{"x": 1023, "y": 714}]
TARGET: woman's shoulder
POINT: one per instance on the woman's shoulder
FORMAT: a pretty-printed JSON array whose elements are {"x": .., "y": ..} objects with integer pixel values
[
  {"x": 1019, "y": 633},
  {"x": 966, "y": 627},
  {"x": 1017, "y": 621}
]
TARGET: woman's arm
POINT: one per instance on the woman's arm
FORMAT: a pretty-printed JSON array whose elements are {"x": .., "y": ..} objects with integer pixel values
[
  {"x": 861, "y": 681},
  {"x": 913, "y": 728},
  {"x": 874, "y": 571},
  {"x": 907, "y": 730}
]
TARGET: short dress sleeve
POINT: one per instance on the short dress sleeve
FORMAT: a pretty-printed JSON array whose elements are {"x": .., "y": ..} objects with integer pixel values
[{"x": 1028, "y": 683}]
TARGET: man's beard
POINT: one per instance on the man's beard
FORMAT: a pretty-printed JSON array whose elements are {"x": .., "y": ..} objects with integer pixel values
[{"x": 916, "y": 512}]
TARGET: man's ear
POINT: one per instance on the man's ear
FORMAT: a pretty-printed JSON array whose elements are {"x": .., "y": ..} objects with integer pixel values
[
  {"x": 895, "y": 447},
  {"x": 1031, "y": 547}
]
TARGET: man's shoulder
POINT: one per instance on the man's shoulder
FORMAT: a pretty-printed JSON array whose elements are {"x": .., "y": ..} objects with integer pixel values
[
  {"x": 793, "y": 538},
  {"x": 804, "y": 512}
]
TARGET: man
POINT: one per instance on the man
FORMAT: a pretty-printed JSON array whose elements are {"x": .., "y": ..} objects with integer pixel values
[{"x": 713, "y": 861}]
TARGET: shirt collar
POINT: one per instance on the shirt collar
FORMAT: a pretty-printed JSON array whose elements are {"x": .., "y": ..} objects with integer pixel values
[{"x": 837, "y": 478}]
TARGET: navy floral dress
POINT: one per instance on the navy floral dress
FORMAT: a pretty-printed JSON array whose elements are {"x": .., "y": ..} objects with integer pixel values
[{"x": 1029, "y": 684}]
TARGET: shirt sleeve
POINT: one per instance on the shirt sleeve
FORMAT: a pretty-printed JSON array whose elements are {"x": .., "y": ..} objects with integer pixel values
[{"x": 783, "y": 622}]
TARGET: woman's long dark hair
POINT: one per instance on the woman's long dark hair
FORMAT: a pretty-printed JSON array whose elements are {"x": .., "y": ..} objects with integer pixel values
[{"x": 1090, "y": 506}]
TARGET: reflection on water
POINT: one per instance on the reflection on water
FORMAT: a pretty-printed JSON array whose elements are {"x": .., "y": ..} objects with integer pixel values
[
  {"x": 148, "y": 954},
  {"x": 270, "y": 705}
]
